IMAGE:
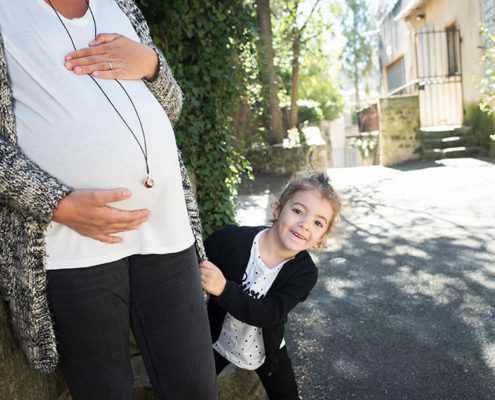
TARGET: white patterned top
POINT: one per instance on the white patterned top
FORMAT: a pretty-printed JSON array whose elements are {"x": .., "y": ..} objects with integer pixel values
[{"x": 241, "y": 343}]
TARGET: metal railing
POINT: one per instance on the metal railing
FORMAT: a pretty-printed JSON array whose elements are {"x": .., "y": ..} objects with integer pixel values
[{"x": 406, "y": 89}]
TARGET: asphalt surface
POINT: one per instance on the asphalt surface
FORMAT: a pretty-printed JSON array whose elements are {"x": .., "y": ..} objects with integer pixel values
[{"x": 405, "y": 302}]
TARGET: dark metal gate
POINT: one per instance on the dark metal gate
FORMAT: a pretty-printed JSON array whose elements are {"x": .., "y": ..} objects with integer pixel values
[{"x": 439, "y": 72}]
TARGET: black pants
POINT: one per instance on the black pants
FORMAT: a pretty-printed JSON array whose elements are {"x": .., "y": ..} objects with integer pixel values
[
  {"x": 279, "y": 385},
  {"x": 159, "y": 297}
]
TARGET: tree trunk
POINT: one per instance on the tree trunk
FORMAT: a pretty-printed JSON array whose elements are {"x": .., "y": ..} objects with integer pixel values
[
  {"x": 356, "y": 83},
  {"x": 356, "y": 53},
  {"x": 263, "y": 15},
  {"x": 294, "y": 89}
]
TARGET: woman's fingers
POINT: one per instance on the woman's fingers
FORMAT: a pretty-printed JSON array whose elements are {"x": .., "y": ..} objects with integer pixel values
[
  {"x": 103, "y": 197},
  {"x": 104, "y": 38},
  {"x": 94, "y": 48},
  {"x": 97, "y": 66},
  {"x": 113, "y": 217},
  {"x": 129, "y": 221},
  {"x": 113, "y": 56},
  {"x": 87, "y": 212},
  {"x": 108, "y": 239},
  {"x": 81, "y": 56},
  {"x": 99, "y": 57}
]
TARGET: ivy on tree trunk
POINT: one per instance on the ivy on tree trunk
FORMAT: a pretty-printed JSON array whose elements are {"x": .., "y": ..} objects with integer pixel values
[
  {"x": 271, "y": 78},
  {"x": 203, "y": 42}
]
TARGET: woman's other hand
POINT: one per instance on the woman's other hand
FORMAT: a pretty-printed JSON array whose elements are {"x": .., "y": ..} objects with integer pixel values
[
  {"x": 114, "y": 56},
  {"x": 86, "y": 212},
  {"x": 212, "y": 278}
]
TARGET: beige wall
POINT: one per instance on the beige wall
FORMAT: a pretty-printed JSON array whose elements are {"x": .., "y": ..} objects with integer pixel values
[
  {"x": 467, "y": 16},
  {"x": 398, "y": 42}
]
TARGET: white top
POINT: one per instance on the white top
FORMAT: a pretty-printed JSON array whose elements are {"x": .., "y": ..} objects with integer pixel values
[
  {"x": 65, "y": 125},
  {"x": 241, "y": 343}
]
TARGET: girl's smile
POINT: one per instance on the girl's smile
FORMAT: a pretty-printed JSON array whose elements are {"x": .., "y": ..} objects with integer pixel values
[
  {"x": 298, "y": 235},
  {"x": 302, "y": 222}
]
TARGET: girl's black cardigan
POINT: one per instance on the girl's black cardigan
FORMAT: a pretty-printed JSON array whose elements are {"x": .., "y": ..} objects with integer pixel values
[{"x": 230, "y": 249}]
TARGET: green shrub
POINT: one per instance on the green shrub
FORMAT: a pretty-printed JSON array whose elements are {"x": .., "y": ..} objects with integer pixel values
[
  {"x": 483, "y": 123},
  {"x": 309, "y": 111},
  {"x": 204, "y": 42}
]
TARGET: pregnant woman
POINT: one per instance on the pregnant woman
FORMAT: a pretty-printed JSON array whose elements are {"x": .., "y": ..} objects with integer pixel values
[{"x": 99, "y": 227}]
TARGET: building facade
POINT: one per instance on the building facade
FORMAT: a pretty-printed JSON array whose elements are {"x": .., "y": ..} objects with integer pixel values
[{"x": 433, "y": 48}]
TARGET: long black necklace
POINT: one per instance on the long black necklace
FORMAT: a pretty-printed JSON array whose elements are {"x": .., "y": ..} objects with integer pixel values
[{"x": 148, "y": 182}]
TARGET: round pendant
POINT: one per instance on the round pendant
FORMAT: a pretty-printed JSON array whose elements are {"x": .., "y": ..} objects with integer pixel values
[{"x": 149, "y": 183}]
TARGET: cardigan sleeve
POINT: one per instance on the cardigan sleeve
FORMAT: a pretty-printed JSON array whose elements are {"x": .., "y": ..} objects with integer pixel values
[
  {"x": 272, "y": 309},
  {"x": 166, "y": 89},
  {"x": 25, "y": 187}
]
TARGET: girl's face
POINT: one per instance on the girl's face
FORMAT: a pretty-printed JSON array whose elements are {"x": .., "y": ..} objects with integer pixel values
[{"x": 303, "y": 221}]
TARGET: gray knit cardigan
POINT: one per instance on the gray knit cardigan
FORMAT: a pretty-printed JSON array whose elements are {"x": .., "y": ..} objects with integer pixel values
[{"x": 28, "y": 197}]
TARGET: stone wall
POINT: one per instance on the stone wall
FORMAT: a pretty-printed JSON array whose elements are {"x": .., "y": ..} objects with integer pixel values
[
  {"x": 399, "y": 129},
  {"x": 288, "y": 160},
  {"x": 233, "y": 384},
  {"x": 17, "y": 380},
  {"x": 239, "y": 384}
]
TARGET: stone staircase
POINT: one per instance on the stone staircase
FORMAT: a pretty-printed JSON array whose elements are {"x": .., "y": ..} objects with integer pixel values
[{"x": 449, "y": 142}]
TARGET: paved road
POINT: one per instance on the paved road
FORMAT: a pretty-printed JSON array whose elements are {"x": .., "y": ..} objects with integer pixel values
[{"x": 404, "y": 307}]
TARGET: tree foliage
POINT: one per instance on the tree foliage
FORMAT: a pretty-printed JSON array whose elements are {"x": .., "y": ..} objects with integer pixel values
[
  {"x": 488, "y": 81},
  {"x": 485, "y": 123},
  {"x": 318, "y": 79},
  {"x": 358, "y": 50},
  {"x": 206, "y": 43},
  {"x": 301, "y": 28}
]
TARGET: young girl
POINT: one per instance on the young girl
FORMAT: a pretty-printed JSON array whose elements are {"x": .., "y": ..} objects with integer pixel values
[{"x": 256, "y": 275}]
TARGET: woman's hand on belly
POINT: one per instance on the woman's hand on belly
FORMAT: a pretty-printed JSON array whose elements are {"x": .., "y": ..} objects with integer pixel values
[
  {"x": 86, "y": 212},
  {"x": 114, "y": 56}
]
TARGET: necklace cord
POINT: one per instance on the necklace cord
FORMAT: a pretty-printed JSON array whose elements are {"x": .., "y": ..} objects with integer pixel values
[{"x": 144, "y": 150}]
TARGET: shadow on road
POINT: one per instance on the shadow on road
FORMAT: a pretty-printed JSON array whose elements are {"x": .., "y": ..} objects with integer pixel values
[{"x": 404, "y": 305}]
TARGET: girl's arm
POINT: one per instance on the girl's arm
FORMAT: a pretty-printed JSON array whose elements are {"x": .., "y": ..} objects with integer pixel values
[{"x": 265, "y": 312}]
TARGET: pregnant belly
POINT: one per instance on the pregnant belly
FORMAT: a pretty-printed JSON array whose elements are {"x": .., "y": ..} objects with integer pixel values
[{"x": 109, "y": 159}]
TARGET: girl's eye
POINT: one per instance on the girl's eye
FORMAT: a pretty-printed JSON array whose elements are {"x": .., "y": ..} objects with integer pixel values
[
  {"x": 297, "y": 211},
  {"x": 318, "y": 224}
]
